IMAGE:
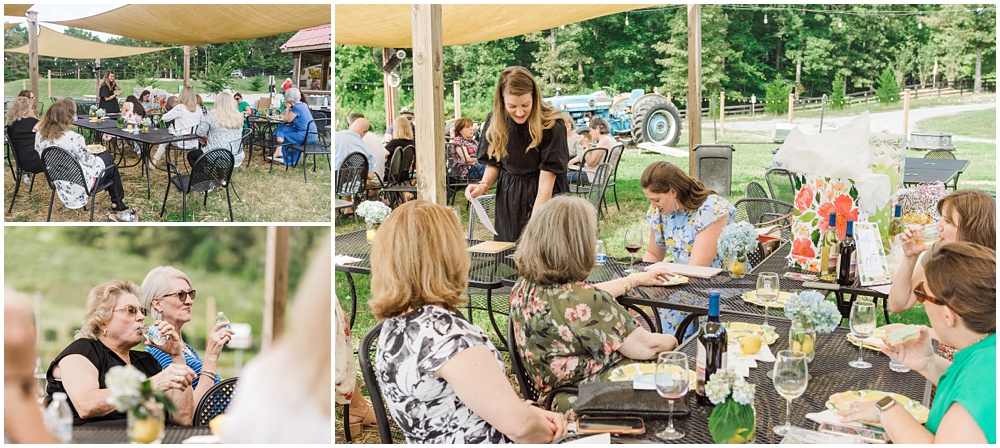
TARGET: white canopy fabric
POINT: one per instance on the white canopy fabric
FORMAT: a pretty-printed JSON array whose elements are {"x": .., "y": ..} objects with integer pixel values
[
  {"x": 391, "y": 25},
  {"x": 196, "y": 24},
  {"x": 55, "y": 44}
]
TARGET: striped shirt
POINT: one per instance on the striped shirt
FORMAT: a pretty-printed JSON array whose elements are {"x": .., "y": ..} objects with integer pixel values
[{"x": 190, "y": 357}]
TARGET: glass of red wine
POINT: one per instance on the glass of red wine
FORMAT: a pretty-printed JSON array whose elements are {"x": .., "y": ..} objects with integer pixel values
[{"x": 633, "y": 243}]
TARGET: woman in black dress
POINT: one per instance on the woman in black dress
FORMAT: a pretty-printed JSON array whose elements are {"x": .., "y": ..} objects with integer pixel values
[
  {"x": 21, "y": 121},
  {"x": 524, "y": 150},
  {"x": 109, "y": 95}
]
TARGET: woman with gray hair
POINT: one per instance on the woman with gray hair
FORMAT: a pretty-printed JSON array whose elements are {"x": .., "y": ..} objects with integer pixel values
[
  {"x": 168, "y": 295},
  {"x": 298, "y": 127},
  {"x": 112, "y": 325}
]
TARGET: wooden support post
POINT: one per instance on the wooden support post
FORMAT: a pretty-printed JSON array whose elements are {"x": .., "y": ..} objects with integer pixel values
[
  {"x": 791, "y": 106},
  {"x": 33, "y": 54},
  {"x": 391, "y": 93},
  {"x": 275, "y": 284},
  {"x": 457, "y": 89},
  {"x": 694, "y": 84},
  {"x": 187, "y": 65},
  {"x": 428, "y": 99},
  {"x": 722, "y": 112},
  {"x": 97, "y": 82},
  {"x": 906, "y": 114},
  {"x": 49, "y": 76}
]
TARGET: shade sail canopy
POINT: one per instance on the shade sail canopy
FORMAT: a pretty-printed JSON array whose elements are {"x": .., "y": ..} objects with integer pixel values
[
  {"x": 15, "y": 10},
  {"x": 204, "y": 24},
  {"x": 391, "y": 25},
  {"x": 55, "y": 44},
  {"x": 8, "y": 26}
]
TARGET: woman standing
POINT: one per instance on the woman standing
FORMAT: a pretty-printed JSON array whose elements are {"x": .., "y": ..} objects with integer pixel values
[
  {"x": 524, "y": 150},
  {"x": 109, "y": 94}
]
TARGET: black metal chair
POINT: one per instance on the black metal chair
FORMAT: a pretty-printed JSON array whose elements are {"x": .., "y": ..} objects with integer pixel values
[
  {"x": 389, "y": 431},
  {"x": 528, "y": 390},
  {"x": 579, "y": 187},
  {"x": 350, "y": 180},
  {"x": 61, "y": 166},
  {"x": 940, "y": 154},
  {"x": 765, "y": 212},
  {"x": 755, "y": 190},
  {"x": 781, "y": 185},
  {"x": 598, "y": 187},
  {"x": 212, "y": 170},
  {"x": 397, "y": 183},
  {"x": 614, "y": 158},
  {"x": 16, "y": 174},
  {"x": 215, "y": 401},
  {"x": 321, "y": 147},
  {"x": 457, "y": 180}
]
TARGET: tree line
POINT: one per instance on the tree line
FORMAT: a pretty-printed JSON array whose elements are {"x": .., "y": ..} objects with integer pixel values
[{"x": 811, "y": 49}]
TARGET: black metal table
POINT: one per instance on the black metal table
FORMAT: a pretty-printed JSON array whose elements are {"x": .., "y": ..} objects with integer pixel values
[
  {"x": 107, "y": 435},
  {"x": 830, "y": 375},
  {"x": 919, "y": 170}
]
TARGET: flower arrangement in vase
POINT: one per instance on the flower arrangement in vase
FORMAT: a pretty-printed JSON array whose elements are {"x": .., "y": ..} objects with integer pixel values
[
  {"x": 733, "y": 419},
  {"x": 145, "y": 123},
  {"x": 810, "y": 314},
  {"x": 736, "y": 241},
  {"x": 374, "y": 212},
  {"x": 93, "y": 110},
  {"x": 100, "y": 113},
  {"x": 145, "y": 408}
]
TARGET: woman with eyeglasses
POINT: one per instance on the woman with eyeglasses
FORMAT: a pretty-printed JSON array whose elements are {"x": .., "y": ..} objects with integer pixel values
[
  {"x": 112, "y": 325},
  {"x": 168, "y": 295},
  {"x": 959, "y": 295}
]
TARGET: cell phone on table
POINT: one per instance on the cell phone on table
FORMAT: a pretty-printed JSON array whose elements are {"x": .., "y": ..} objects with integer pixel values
[
  {"x": 612, "y": 425},
  {"x": 868, "y": 435}
]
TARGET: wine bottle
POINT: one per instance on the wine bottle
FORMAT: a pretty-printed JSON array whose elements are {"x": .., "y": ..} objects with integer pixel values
[
  {"x": 847, "y": 261},
  {"x": 829, "y": 246},
  {"x": 712, "y": 344},
  {"x": 896, "y": 226}
]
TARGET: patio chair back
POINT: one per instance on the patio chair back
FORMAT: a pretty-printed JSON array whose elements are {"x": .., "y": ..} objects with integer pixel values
[
  {"x": 388, "y": 430},
  {"x": 597, "y": 187},
  {"x": 477, "y": 231},
  {"x": 350, "y": 176},
  {"x": 399, "y": 166},
  {"x": 762, "y": 212},
  {"x": 755, "y": 190},
  {"x": 614, "y": 158},
  {"x": 779, "y": 182},
  {"x": 16, "y": 174},
  {"x": 528, "y": 391},
  {"x": 215, "y": 401},
  {"x": 940, "y": 154},
  {"x": 214, "y": 168},
  {"x": 61, "y": 166}
]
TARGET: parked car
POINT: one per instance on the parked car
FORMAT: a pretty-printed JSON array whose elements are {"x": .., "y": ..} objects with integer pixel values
[{"x": 237, "y": 74}]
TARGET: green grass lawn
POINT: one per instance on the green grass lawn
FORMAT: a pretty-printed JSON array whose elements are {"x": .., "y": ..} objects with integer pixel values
[
  {"x": 976, "y": 123},
  {"x": 77, "y": 88}
]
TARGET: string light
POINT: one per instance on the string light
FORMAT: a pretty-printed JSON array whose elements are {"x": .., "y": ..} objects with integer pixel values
[
  {"x": 626, "y": 18},
  {"x": 920, "y": 23},
  {"x": 840, "y": 23},
  {"x": 765, "y": 19}
]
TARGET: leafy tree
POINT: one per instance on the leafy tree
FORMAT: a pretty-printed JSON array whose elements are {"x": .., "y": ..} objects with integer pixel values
[
  {"x": 81, "y": 34},
  {"x": 776, "y": 101},
  {"x": 837, "y": 98},
  {"x": 559, "y": 59},
  {"x": 15, "y": 64},
  {"x": 146, "y": 79},
  {"x": 217, "y": 78},
  {"x": 887, "y": 90},
  {"x": 257, "y": 83},
  {"x": 715, "y": 51}
]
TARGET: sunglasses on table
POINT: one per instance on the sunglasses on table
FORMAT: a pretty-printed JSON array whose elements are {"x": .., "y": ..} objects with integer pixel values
[
  {"x": 183, "y": 295},
  {"x": 132, "y": 310},
  {"x": 922, "y": 295}
]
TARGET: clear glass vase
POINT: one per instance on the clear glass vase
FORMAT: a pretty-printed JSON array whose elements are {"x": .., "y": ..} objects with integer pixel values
[
  {"x": 737, "y": 266},
  {"x": 746, "y": 435},
  {"x": 802, "y": 337},
  {"x": 146, "y": 423},
  {"x": 370, "y": 232}
]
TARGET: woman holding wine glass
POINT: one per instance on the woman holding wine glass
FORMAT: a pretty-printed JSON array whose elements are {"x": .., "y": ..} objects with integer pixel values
[
  {"x": 960, "y": 298},
  {"x": 686, "y": 219}
]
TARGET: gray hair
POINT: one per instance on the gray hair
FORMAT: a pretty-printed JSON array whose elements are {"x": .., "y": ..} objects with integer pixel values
[
  {"x": 293, "y": 95},
  {"x": 156, "y": 284}
]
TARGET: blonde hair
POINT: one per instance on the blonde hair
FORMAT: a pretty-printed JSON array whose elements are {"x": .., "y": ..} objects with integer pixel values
[
  {"x": 57, "y": 120},
  {"x": 558, "y": 244},
  {"x": 418, "y": 258},
  {"x": 401, "y": 128},
  {"x": 977, "y": 212},
  {"x": 189, "y": 98},
  {"x": 18, "y": 109},
  {"x": 155, "y": 285},
  {"x": 226, "y": 114},
  {"x": 108, "y": 82},
  {"x": 101, "y": 302},
  {"x": 518, "y": 81}
]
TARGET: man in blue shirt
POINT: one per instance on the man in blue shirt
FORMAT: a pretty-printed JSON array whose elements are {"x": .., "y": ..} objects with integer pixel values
[{"x": 349, "y": 140}]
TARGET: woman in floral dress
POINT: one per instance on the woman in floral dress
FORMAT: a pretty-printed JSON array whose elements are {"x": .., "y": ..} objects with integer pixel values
[
  {"x": 685, "y": 219},
  {"x": 569, "y": 332}
]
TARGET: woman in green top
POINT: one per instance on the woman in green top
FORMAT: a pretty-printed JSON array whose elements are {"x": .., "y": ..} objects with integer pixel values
[
  {"x": 244, "y": 107},
  {"x": 960, "y": 297}
]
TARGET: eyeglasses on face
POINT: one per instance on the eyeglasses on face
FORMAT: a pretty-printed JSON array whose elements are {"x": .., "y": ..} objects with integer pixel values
[
  {"x": 183, "y": 295},
  {"x": 922, "y": 295},
  {"x": 132, "y": 310}
]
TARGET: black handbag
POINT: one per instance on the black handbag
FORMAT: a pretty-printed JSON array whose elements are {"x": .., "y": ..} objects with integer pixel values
[{"x": 614, "y": 399}]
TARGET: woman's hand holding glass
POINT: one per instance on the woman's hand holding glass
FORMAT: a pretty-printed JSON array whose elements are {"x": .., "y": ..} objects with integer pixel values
[
  {"x": 175, "y": 376},
  {"x": 917, "y": 353},
  {"x": 217, "y": 338},
  {"x": 912, "y": 242}
]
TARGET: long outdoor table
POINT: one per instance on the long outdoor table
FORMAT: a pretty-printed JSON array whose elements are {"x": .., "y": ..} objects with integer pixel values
[
  {"x": 919, "y": 170},
  {"x": 108, "y": 435},
  {"x": 830, "y": 375}
]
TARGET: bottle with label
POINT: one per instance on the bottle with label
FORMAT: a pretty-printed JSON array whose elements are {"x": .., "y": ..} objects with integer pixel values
[
  {"x": 896, "y": 226},
  {"x": 712, "y": 345},
  {"x": 60, "y": 418},
  {"x": 602, "y": 257},
  {"x": 847, "y": 262},
  {"x": 829, "y": 246}
]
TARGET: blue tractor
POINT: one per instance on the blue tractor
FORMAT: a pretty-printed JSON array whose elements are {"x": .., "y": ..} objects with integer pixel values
[{"x": 645, "y": 117}]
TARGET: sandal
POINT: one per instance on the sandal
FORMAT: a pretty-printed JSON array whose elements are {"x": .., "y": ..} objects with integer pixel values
[{"x": 367, "y": 418}]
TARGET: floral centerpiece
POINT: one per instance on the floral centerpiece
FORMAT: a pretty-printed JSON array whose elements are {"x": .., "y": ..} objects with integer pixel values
[
  {"x": 810, "y": 313},
  {"x": 93, "y": 110},
  {"x": 100, "y": 113},
  {"x": 132, "y": 393},
  {"x": 737, "y": 240},
  {"x": 733, "y": 419},
  {"x": 145, "y": 123},
  {"x": 374, "y": 213}
]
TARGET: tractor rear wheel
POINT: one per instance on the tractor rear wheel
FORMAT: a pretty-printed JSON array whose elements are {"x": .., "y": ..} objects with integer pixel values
[{"x": 655, "y": 119}]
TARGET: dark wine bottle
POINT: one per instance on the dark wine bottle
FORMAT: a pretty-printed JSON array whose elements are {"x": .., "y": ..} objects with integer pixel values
[
  {"x": 847, "y": 257},
  {"x": 712, "y": 344}
]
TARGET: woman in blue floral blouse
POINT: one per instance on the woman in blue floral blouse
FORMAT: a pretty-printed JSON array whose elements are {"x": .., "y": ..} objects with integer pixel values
[
  {"x": 685, "y": 219},
  {"x": 567, "y": 331}
]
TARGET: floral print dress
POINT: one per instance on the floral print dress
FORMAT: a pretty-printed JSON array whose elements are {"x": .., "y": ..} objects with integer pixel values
[
  {"x": 567, "y": 335},
  {"x": 345, "y": 378},
  {"x": 675, "y": 232},
  {"x": 72, "y": 195}
]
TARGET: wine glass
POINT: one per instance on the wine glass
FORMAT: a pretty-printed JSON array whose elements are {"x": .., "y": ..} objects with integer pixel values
[
  {"x": 672, "y": 382},
  {"x": 767, "y": 292},
  {"x": 633, "y": 243},
  {"x": 863, "y": 326},
  {"x": 791, "y": 377}
]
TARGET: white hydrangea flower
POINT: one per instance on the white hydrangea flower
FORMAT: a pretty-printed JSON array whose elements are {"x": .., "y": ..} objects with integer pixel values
[
  {"x": 717, "y": 391},
  {"x": 374, "y": 212},
  {"x": 123, "y": 383},
  {"x": 743, "y": 392}
]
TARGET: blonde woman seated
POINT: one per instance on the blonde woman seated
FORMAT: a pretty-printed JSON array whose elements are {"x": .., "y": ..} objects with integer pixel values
[
  {"x": 442, "y": 379},
  {"x": 567, "y": 331},
  {"x": 185, "y": 116},
  {"x": 222, "y": 129}
]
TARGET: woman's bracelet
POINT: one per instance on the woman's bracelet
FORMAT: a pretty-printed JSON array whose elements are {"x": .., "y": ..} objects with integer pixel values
[
  {"x": 628, "y": 284},
  {"x": 211, "y": 373}
]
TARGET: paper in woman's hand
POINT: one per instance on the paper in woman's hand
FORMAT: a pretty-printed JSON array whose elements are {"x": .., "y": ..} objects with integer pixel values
[{"x": 482, "y": 216}]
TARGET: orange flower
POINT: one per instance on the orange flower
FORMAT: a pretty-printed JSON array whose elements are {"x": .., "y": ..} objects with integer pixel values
[
  {"x": 803, "y": 247},
  {"x": 804, "y": 198},
  {"x": 844, "y": 207}
]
